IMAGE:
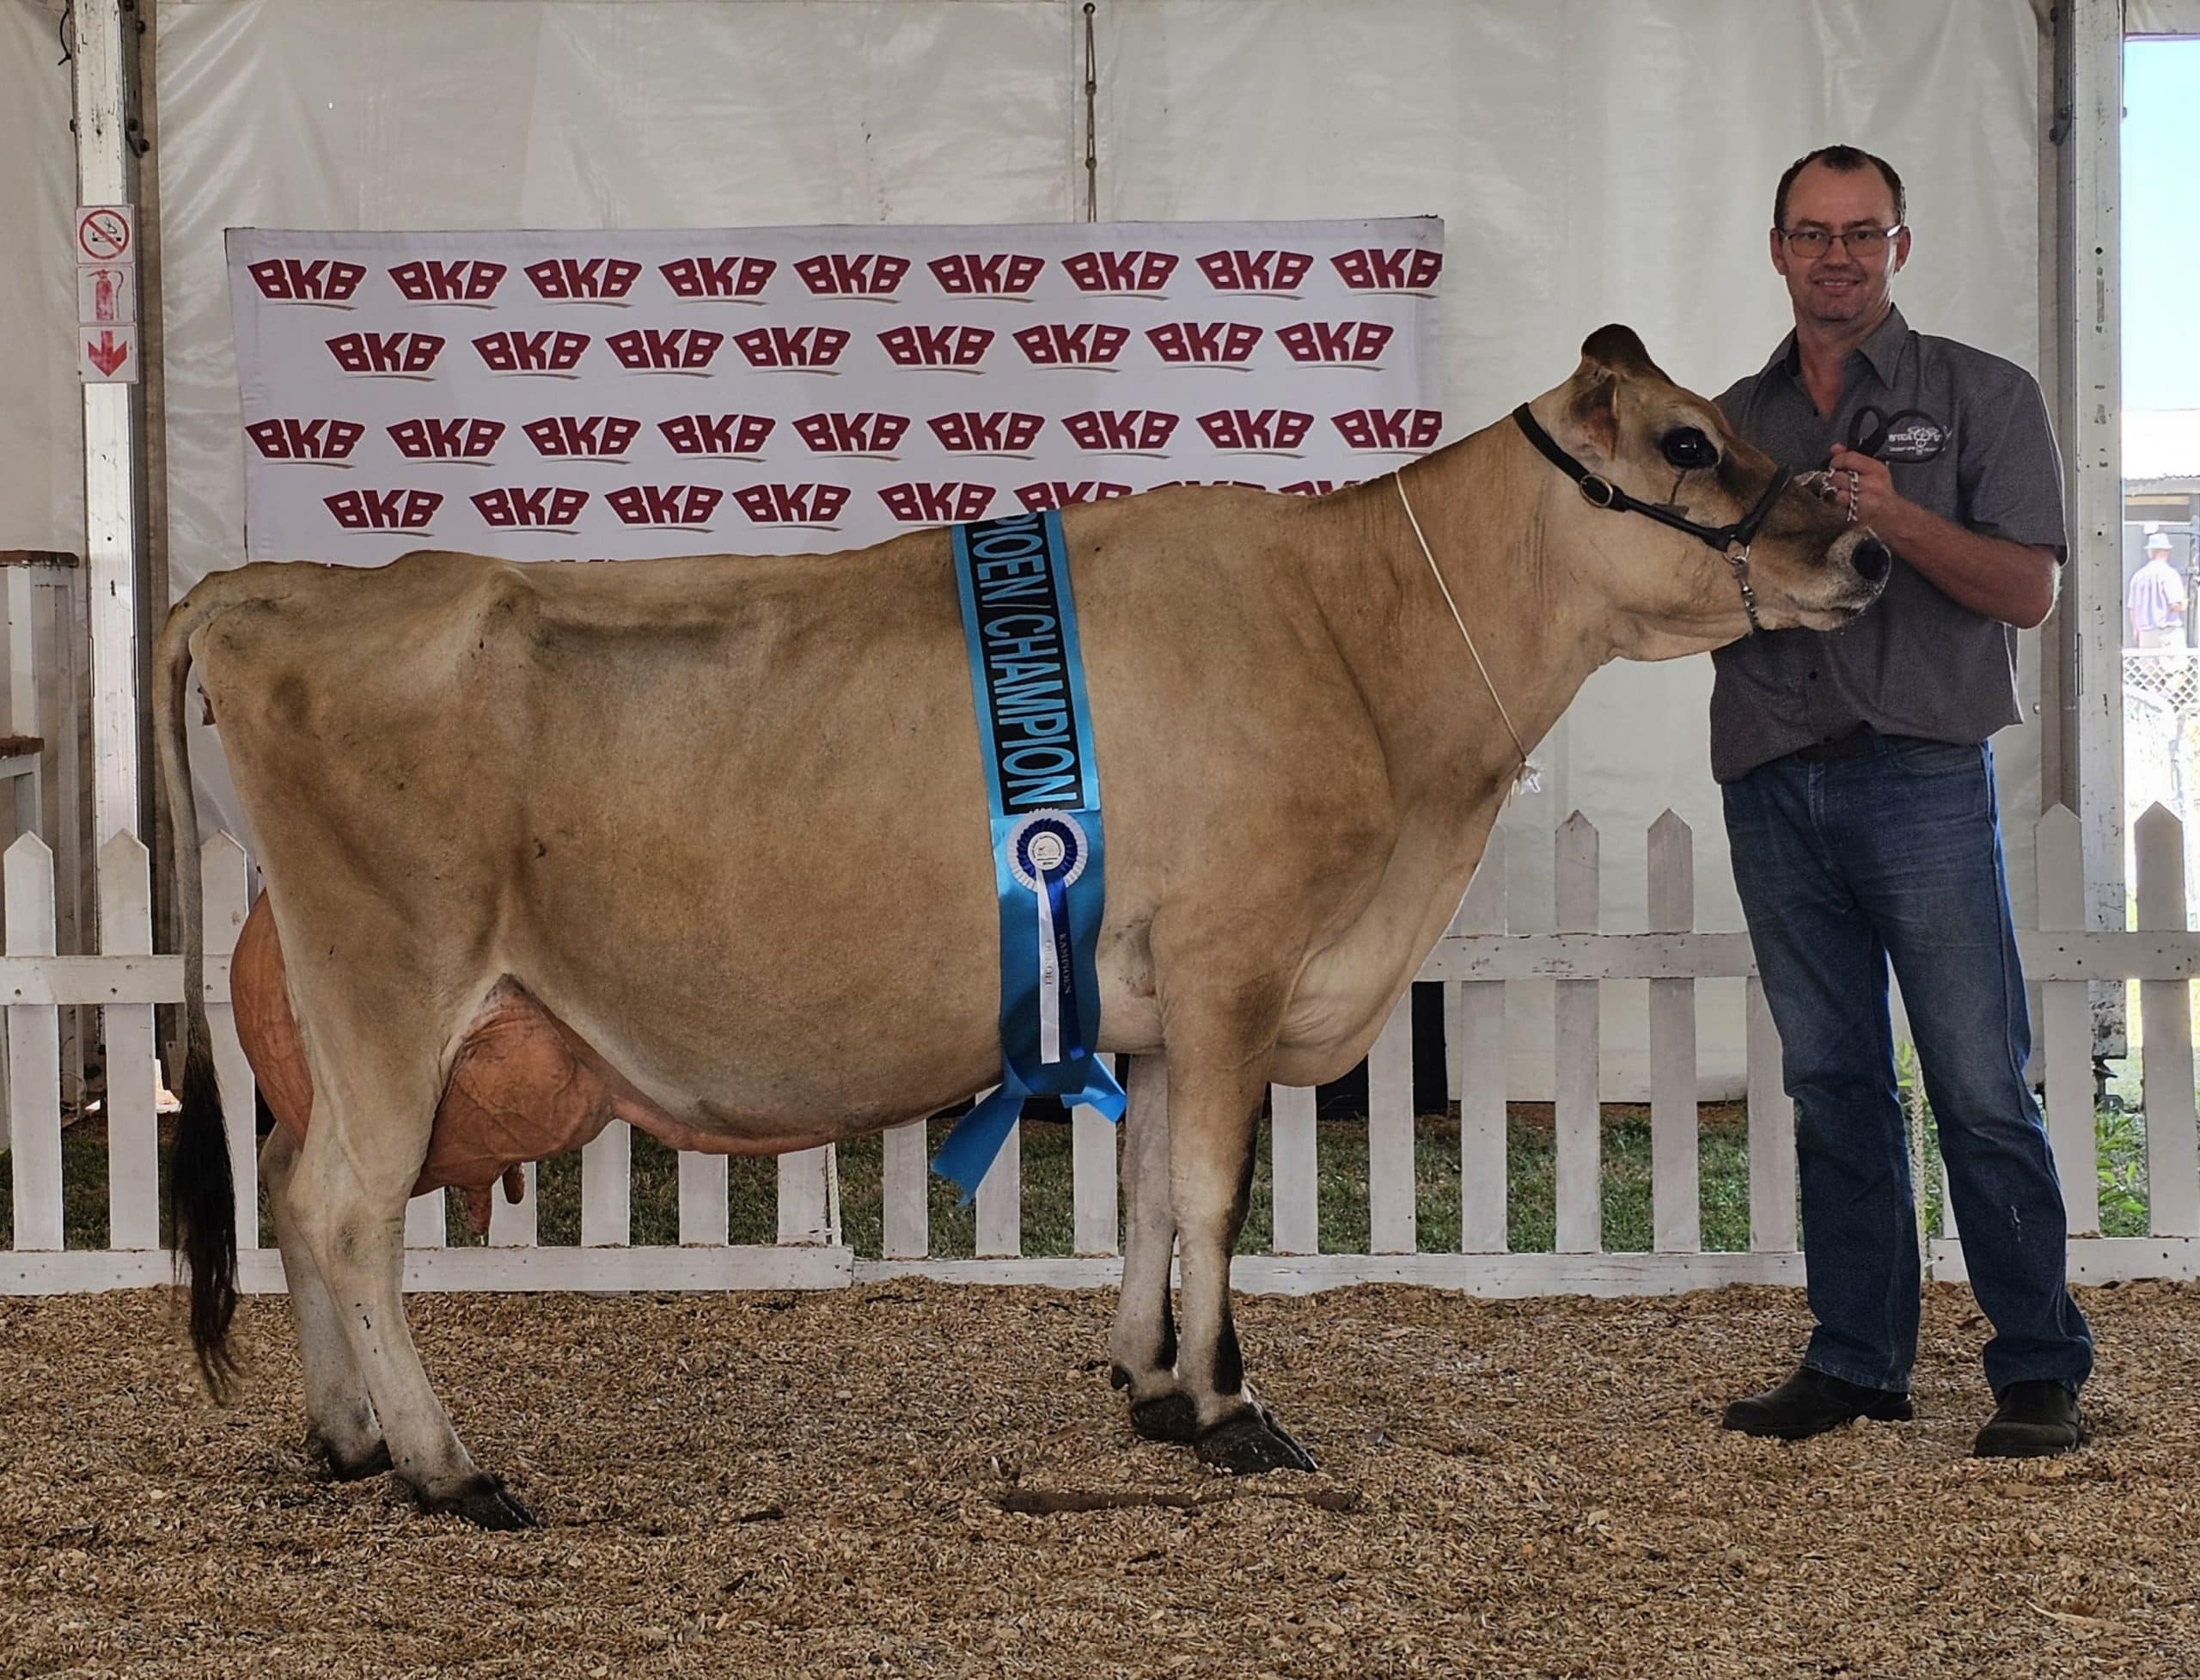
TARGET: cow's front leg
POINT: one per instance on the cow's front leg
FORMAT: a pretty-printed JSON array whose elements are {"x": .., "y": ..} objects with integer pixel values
[{"x": 1143, "y": 1344}]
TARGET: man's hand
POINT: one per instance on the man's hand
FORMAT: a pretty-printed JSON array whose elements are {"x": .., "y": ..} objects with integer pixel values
[{"x": 1878, "y": 504}]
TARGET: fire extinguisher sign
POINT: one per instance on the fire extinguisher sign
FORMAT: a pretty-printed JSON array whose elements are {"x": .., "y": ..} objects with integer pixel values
[{"x": 107, "y": 350}]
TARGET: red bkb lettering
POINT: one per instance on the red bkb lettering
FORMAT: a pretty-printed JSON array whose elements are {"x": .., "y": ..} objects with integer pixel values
[
  {"x": 1208, "y": 484},
  {"x": 680, "y": 350},
  {"x": 1003, "y": 432},
  {"x": 1120, "y": 271},
  {"x": 949, "y": 504},
  {"x": 288, "y": 280},
  {"x": 1315, "y": 486},
  {"x": 306, "y": 440},
  {"x": 383, "y": 510},
  {"x": 530, "y": 352},
  {"x": 582, "y": 280},
  {"x": 717, "y": 277},
  {"x": 428, "y": 281},
  {"x": 792, "y": 346},
  {"x": 592, "y": 435},
  {"x": 1036, "y": 497},
  {"x": 837, "y": 274},
  {"x": 715, "y": 434},
  {"x": 1204, "y": 341},
  {"x": 1257, "y": 428},
  {"x": 1255, "y": 271},
  {"x": 1333, "y": 340},
  {"x": 1390, "y": 428},
  {"x": 428, "y": 439},
  {"x": 548, "y": 506},
  {"x": 386, "y": 352},
  {"x": 1403, "y": 270},
  {"x": 851, "y": 434},
  {"x": 792, "y": 504},
  {"x": 1116, "y": 430},
  {"x": 936, "y": 346},
  {"x": 665, "y": 503},
  {"x": 1086, "y": 344},
  {"x": 999, "y": 275}
]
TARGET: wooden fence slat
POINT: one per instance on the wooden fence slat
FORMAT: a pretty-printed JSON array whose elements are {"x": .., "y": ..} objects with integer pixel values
[
  {"x": 1772, "y": 1133},
  {"x": 704, "y": 1218},
  {"x": 2066, "y": 1025},
  {"x": 2166, "y": 1020},
  {"x": 907, "y": 1219},
  {"x": 1484, "y": 1225},
  {"x": 1295, "y": 1172},
  {"x": 1093, "y": 1174},
  {"x": 1000, "y": 1201},
  {"x": 34, "y": 1053},
  {"x": 608, "y": 1187},
  {"x": 1576, "y": 1044},
  {"x": 1390, "y": 1134},
  {"x": 512, "y": 1223},
  {"x": 225, "y": 879},
  {"x": 133, "y": 1073},
  {"x": 806, "y": 1196},
  {"x": 1676, "y": 1178}
]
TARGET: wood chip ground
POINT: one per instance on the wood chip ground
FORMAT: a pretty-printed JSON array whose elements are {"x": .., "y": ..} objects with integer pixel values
[{"x": 925, "y": 1481}]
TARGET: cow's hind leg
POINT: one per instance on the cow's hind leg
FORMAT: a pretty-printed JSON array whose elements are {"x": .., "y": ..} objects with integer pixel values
[
  {"x": 1142, "y": 1347},
  {"x": 340, "y": 1422}
]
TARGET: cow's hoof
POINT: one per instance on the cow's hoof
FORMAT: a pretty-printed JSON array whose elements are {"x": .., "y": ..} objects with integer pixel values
[
  {"x": 352, "y": 1467},
  {"x": 1166, "y": 1417},
  {"x": 1251, "y": 1442},
  {"x": 485, "y": 1502}
]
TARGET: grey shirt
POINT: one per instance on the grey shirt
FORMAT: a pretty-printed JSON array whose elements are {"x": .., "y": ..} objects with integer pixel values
[{"x": 1916, "y": 663}]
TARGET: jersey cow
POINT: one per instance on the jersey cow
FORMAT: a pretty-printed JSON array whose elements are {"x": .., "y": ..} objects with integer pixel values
[{"x": 703, "y": 843}]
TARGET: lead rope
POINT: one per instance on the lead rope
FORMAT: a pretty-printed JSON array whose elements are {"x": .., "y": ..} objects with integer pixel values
[{"x": 1529, "y": 778}]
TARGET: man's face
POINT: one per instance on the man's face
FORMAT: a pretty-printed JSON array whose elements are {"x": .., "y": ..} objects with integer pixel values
[{"x": 1837, "y": 287}]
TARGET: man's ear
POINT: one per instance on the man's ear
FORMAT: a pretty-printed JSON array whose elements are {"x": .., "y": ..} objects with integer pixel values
[{"x": 1592, "y": 407}]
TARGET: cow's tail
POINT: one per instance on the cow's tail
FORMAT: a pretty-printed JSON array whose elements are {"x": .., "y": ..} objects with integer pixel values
[{"x": 202, "y": 1189}]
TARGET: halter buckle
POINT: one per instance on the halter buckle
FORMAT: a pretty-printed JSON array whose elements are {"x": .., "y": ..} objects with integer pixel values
[{"x": 1599, "y": 493}]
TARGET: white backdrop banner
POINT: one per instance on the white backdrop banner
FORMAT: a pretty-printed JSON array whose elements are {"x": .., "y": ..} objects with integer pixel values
[{"x": 636, "y": 394}]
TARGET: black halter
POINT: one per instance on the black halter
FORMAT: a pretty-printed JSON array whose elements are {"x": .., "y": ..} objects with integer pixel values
[{"x": 1733, "y": 540}]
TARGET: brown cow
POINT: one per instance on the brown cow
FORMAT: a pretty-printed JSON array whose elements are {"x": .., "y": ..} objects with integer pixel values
[{"x": 714, "y": 834}]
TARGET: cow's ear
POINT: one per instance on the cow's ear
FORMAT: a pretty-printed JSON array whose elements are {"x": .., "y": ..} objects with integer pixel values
[
  {"x": 1616, "y": 347},
  {"x": 1592, "y": 406}
]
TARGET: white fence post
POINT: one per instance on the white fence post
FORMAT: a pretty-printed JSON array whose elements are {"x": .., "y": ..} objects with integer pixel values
[
  {"x": 1094, "y": 1224},
  {"x": 1677, "y": 1218},
  {"x": 2066, "y": 1024},
  {"x": 1772, "y": 1133},
  {"x": 1576, "y": 1044},
  {"x": 1295, "y": 1172},
  {"x": 608, "y": 1187},
  {"x": 705, "y": 1217},
  {"x": 806, "y": 1207},
  {"x": 2165, "y": 1018},
  {"x": 34, "y": 1053},
  {"x": 1001, "y": 1201},
  {"x": 223, "y": 878},
  {"x": 906, "y": 1217},
  {"x": 1483, "y": 1181},
  {"x": 133, "y": 1073},
  {"x": 1389, "y": 1133}
]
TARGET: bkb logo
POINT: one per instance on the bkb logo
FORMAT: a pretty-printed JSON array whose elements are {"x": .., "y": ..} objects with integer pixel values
[
  {"x": 1390, "y": 428},
  {"x": 1086, "y": 344},
  {"x": 1120, "y": 431},
  {"x": 717, "y": 277},
  {"x": 306, "y": 440},
  {"x": 1405, "y": 270},
  {"x": 999, "y": 275},
  {"x": 594, "y": 437},
  {"x": 428, "y": 281},
  {"x": 530, "y": 352},
  {"x": 1037, "y": 498},
  {"x": 1119, "y": 272},
  {"x": 851, "y": 434},
  {"x": 288, "y": 280},
  {"x": 548, "y": 509},
  {"x": 1257, "y": 428},
  {"x": 1215, "y": 341},
  {"x": 383, "y": 510},
  {"x": 377, "y": 355},
  {"x": 1334, "y": 340},
  {"x": 680, "y": 350},
  {"x": 1315, "y": 486},
  {"x": 664, "y": 503},
  {"x": 428, "y": 439},
  {"x": 792, "y": 346},
  {"x": 837, "y": 274},
  {"x": 1255, "y": 271},
  {"x": 936, "y": 346},
  {"x": 1208, "y": 484},
  {"x": 582, "y": 280},
  {"x": 1005, "y": 431},
  {"x": 949, "y": 504},
  {"x": 715, "y": 434},
  {"x": 792, "y": 504}
]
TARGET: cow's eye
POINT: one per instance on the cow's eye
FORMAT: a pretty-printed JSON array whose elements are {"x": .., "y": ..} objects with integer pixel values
[{"x": 1688, "y": 448}]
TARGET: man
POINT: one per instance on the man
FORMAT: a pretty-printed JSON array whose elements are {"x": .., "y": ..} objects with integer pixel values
[
  {"x": 1860, "y": 810},
  {"x": 2154, "y": 602}
]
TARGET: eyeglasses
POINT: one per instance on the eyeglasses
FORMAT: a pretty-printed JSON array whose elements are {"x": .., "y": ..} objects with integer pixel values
[{"x": 1862, "y": 244}]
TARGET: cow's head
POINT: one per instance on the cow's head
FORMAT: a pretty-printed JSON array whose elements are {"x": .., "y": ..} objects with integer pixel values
[{"x": 1698, "y": 547}]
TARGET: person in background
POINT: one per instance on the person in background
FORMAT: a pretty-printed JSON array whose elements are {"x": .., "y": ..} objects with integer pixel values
[{"x": 2154, "y": 601}]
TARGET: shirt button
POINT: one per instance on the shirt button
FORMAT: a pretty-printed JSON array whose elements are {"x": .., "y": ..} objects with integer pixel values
[{"x": 1814, "y": 676}]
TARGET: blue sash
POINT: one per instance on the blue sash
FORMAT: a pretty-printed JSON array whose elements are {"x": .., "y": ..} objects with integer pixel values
[{"x": 1043, "y": 788}]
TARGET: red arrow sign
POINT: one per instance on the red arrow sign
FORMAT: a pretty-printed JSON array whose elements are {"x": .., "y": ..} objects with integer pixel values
[{"x": 106, "y": 355}]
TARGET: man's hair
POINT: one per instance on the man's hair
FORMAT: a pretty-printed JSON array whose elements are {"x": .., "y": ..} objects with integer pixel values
[{"x": 1841, "y": 160}]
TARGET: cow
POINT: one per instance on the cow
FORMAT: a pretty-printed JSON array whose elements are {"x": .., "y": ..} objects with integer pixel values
[{"x": 711, "y": 836}]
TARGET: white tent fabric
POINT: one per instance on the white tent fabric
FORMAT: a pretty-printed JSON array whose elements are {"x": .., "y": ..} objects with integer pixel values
[{"x": 1593, "y": 160}]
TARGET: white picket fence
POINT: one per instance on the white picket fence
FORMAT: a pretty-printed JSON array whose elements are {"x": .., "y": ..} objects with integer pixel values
[{"x": 1477, "y": 959}]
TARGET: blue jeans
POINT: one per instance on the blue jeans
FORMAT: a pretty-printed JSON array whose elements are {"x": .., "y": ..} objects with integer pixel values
[{"x": 1843, "y": 864}]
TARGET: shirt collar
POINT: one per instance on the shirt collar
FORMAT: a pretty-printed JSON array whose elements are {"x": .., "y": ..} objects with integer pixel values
[{"x": 1882, "y": 350}]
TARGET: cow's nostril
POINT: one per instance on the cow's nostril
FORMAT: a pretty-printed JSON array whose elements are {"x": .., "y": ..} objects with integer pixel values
[{"x": 1871, "y": 557}]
